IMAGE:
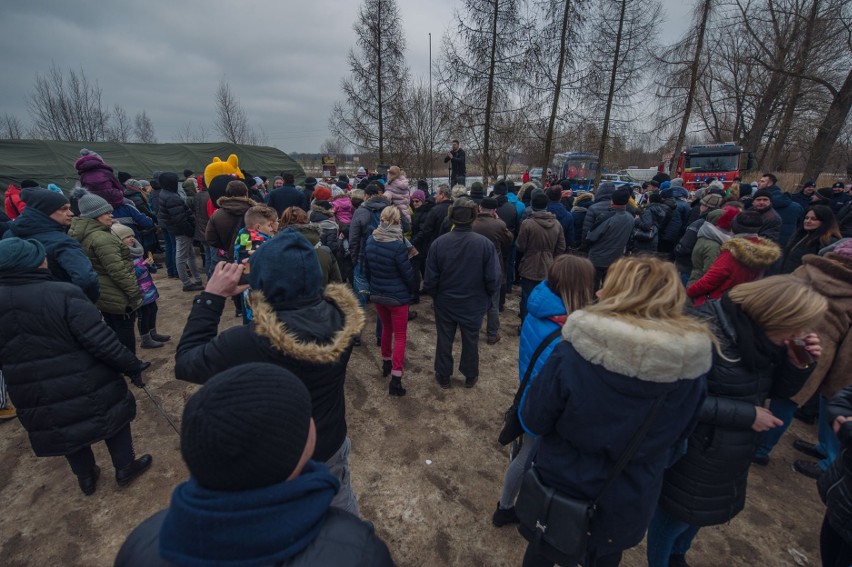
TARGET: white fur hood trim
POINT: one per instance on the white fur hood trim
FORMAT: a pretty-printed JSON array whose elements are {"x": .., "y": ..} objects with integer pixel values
[{"x": 659, "y": 354}]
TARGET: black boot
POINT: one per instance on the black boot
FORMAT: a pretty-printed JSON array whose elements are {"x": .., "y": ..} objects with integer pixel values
[
  {"x": 126, "y": 475},
  {"x": 158, "y": 337},
  {"x": 678, "y": 561},
  {"x": 89, "y": 483},
  {"x": 387, "y": 366},
  {"x": 395, "y": 387}
]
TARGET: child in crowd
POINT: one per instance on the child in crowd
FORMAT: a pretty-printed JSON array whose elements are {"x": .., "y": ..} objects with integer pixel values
[
  {"x": 261, "y": 224},
  {"x": 143, "y": 267},
  {"x": 342, "y": 206},
  {"x": 397, "y": 189}
]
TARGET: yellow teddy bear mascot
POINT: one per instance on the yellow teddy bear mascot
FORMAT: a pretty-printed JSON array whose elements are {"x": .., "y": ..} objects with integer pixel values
[{"x": 225, "y": 170}]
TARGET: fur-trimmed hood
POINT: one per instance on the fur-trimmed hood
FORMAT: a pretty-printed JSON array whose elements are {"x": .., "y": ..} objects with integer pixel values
[
  {"x": 267, "y": 324},
  {"x": 235, "y": 205},
  {"x": 753, "y": 251},
  {"x": 830, "y": 275},
  {"x": 660, "y": 353}
]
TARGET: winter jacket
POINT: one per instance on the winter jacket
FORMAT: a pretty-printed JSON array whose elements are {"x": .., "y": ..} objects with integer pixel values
[
  {"x": 112, "y": 262},
  {"x": 328, "y": 263},
  {"x": 190, "y": 187},
  {"x": 743, "y": 259},
  {"x": 545, "y": 313},
  {"x": 65, "y": 258},
  {"x": 62, "y": 364},
  {"x": 566, "y": 220},
  {"x": 686, "y": 244},
  {"x": 579, "y": 213},
  {"x": 519, "y": 206},
  {"x": 342, "y": 540},
  {"x": 365, "y": 219},
  {"x": 495, "y": 230},
  {"x": 844, "y": 220},
  {"x": 508, "y": 213},
  {"x": 145, "y": 281},
  {"x": 343, "y": 209},
  {"x": 603, "y": 200},
  {"x": 457, "y": 163},
  {"x": 140, "y": 201},
  {"x": 199, "y": 209},
  {"x": 678, "y": 222},
  {"x": 313, "y": 342},
  {"x": 771, "y": 228},
  {"x": 128, "y": 215},
  {"x": 225, "y": 223},
  {"x": 802, "y": 200},
  {"x": 285, "y": 197},
  {"x": 835, "y": 486},
  {"x": 174, "y": 215},
  {"x": 706, "y": 250},
  {"x": 397, "y": 190},
  {"x": 329, "y": 229},
  {"x": 592, "y": 395},
  {"x": 791, "y": 214},
  {"x": 98, "y": 178},
  {"x": 654, "y": 214},
  {"x": 800, "y": 245},
  {"x": 13, "y": 203},
  {"x": 388, "y": 269},
  {"x": 540, "y": 240},
  {"x": 831, "y": 276},
  {"x": 609, "y": 239},
  {"x": 432, "y": 226},
  {"x": 707, "y": 485},
  {"x": 418, "y": 219},
  {"x": 462, "y": 274}
]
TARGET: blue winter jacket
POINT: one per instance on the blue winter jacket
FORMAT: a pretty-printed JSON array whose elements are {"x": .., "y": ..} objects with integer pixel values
[
  {"x": 565, "y": 218},
  {"x": 519, "y": 206},
  {"x": 128, "y": 215},
  {"x": 387, "y": 268},
  {"x": 65, "y": 258},
  {"x": 678, "y": 222},
  {"x": 790, "y": 211}
]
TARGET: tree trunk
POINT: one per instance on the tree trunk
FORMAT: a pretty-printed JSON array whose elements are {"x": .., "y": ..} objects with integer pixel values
[
  {"x": 763, "y": 113},
  {"x": 693, "y": 77},
  {"x": 551, "y": 124},
  {"x": 610, "y": 96},
  {"x": 829, "y": 130},
  {"x": 379, "y": 84},
  {"x": 489, "y": 95}
]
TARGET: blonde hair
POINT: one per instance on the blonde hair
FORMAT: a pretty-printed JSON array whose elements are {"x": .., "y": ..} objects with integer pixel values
[
  {"x": 780, "y": 304},
  {"x": 573, "y": 279},
  {"x": 647, "y": 292},
  {"x": 390, "y": 215}
]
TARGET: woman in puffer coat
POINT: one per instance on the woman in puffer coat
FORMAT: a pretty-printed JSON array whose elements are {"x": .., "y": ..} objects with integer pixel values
[
  {"x": 120, "y": 296},
  {"x": 743, "y": 259},
  {"x": 835, "y": 488},
  {"x": 634, "y": 349},
  {"x": 755, "y": 323},
  {"x": 392, "y": 286},
  {"x": 569, "y": 287},
  {"x": 63, "y": 366}
]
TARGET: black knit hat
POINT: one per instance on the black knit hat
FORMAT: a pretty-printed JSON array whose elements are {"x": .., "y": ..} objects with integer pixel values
[
  {"x": 489, "y": 203},
  {"x": 246, "y": 428},
  {"x": 621, "y": 196},
  {"x": 123, "y": 176},
  {"x": 477, "y": 191},
  {"x": 43, "y": 200},
  {"x": 539, "y": 201},
  {"x": 287, "y": 271},
  {"x": 762, "y": 193},
  {"x": 747, "y": 222}
]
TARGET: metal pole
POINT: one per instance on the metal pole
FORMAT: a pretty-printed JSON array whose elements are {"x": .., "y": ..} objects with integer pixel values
[
  {"x": 159, "y": 407},
  {"x": 431, "y": 125}
]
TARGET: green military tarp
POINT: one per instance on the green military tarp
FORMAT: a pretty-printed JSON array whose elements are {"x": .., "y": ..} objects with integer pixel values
[{"x": 48, "y": 161}]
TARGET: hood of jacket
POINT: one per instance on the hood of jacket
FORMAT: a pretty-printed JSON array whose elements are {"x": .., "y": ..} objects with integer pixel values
[
  {"x": 267, "y": 324},
  {"x": 309, "y": 231},
  {"x": 604, "y": 192},
  {"x": 753, "y": 251},
  {"x": 235, "y": 205},
  {"x": 317, "y": 210},
  {"x": 543, "y": 303},
  {"x": 780, "y": 199},
  {"x": 81, "y": 228},
  {"x": 830, "y": 275},
  {"x": 712, "y": 232},
  {"x": 545, "y": 219},
  {"x": 660, "y": 352},
  {"x": 32, "y": 221}
]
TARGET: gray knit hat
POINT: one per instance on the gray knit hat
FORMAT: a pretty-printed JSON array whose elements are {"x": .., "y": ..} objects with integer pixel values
[{"x": 91, "y": 206}]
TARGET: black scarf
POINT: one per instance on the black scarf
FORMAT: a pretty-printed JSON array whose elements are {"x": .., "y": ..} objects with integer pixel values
[{"x": 757, "y": 352}]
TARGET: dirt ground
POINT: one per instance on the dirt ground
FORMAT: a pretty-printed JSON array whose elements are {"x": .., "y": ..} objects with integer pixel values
[{"x": 426, "y": 468}]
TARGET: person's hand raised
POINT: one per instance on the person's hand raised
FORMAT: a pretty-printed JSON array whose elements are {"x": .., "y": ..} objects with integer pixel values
[{"x": 225, "y": 281}]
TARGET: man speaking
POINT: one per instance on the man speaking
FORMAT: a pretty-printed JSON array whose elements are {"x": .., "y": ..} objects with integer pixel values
[{"x": 457, "y": 164}]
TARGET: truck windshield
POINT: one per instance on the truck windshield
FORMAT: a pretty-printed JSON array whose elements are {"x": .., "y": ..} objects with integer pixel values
[
  {"x": 696, "y": 164},
  {"x": 576, "y": 169}
]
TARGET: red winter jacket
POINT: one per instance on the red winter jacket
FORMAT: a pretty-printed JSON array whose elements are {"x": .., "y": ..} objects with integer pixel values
[
  {"x": 743, "y": 259},
  {"x": 14, "y": 205}
]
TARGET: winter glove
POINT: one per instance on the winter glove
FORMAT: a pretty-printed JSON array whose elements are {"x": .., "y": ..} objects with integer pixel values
[{"x": 136, "y": 379}]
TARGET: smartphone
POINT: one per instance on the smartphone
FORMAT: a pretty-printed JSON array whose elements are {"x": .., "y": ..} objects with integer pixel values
[{"x": 802, "y": 354}]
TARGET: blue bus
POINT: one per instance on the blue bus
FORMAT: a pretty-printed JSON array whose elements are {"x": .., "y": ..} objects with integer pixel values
[{"x": 579, "y": 168}]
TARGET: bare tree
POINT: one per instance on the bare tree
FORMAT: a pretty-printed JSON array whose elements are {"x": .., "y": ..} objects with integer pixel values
[
  {"x": 143, "y": 128},
  {"x": 417, "y": 132},
  {"x": 10, "y": 127},
  {"x": 378, "y": 77},
  {"x": 189, "y": 134},
  {"x": 232, "y": 122},
  {"x": 67, "y": 108},
  {"x": 119, "y": 127}
]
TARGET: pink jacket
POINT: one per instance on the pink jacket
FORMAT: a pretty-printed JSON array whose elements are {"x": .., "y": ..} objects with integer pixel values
[
  {"x": 398, "y": 191},
  {"x": 342, "y": 207}
]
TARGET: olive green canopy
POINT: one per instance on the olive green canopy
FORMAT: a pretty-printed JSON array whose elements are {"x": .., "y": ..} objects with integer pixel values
[{"x": 48, "y": 161}]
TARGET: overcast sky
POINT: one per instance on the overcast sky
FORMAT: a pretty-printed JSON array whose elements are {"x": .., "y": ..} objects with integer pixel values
[{"x": 283, "y": 59}]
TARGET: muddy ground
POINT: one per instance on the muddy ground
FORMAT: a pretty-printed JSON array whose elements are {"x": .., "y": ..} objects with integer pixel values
[{"x": 426, "y": 468}]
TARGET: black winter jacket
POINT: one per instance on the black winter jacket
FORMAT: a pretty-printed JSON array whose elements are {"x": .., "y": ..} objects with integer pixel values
[
  {"x": 686, "y": 244},
  {"x": 388, "y": 269},
  {"x": 62, "y": 364},
  {"x": 343, "y": 540},
  {"x": 174, "y": 215},
  {"x": 433, "y": 225},
  {"x": 707, "y": 486},
  {"x": 312, "y": 342},
  {"x": 835, "y": 486}
]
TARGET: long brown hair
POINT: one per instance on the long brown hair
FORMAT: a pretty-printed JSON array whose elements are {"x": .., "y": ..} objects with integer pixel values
[
  {"x": 573, "y": 279},
  {"x": 292, "y": 215}
]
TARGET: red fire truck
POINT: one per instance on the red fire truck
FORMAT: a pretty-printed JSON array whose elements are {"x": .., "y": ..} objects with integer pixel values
[{"x": 703, "y": 162}]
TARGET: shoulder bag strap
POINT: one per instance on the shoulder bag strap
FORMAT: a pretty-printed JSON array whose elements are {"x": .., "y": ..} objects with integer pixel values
[
  {"x": 547, "y": 340},
  {"x": 632, "y": 446}
]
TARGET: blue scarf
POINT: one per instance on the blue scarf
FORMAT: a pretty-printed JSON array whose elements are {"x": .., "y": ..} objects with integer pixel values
[{"x": 214, "y": 528}]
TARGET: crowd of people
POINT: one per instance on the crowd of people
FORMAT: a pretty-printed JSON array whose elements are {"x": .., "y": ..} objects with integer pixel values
[{"x": 667, "y": 339}]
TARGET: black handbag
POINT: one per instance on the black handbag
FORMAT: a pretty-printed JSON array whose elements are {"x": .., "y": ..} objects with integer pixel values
[
  {"x": 559, "y": 526},
  {"x": 512, "y": 428}
]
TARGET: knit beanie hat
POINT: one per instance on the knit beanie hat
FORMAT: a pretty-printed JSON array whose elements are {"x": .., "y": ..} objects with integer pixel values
[
  {"x": 54, "y": 187},
  {"x": 477, "y": 191},
  {"x": 463, "y": 211},
  {"x": 123, "y": 176},
  {"x": 810, "y": 183},
  {"x": 19, "y": 254},
  {"x": 677, "y": 182},
  {"x": 716, "y": 185},
  {"x": 539, "y": 201},
  {"x": 322, "y": 193},
  {"x": 169, "y": 181},
  {"x": 44, "y": 200},
  {"x": 621, "y": 196},
  {"x": 747, "y": 222},
  {"x": 246, "y": 428},
  {"x": 91, "y": 206},
  {"x": 500, "y": 188},
  {"x": 489, "y": 203},
  {"x": 309, "y": 181},
  {"x": 726, "y": 218},
  {"x": 419, "y": 195},
  {"x": 712, "y": 201},
  {"x": 714, "y": 216},
  {"x": 762, "y": 193},
  {"x": 121, "y": 231},
  {"x": 287, "y": 271}
]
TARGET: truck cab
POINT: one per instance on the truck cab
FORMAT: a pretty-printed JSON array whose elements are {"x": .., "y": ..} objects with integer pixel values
[
  {"x": 702, "y": 162},
  {"x": 579, "y": 168}
]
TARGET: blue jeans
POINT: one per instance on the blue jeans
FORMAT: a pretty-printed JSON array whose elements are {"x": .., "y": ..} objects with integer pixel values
[
  {"x": 510, "y": 267},
  {"x": 668, "y": 536},
  {"x": 828, "y": 444},
  {"x": 766, "y": 441},
  {"x": 338, "y": 465},
  {"x": 210, "y": 259},
  {"x": 171, "y": 250}
]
